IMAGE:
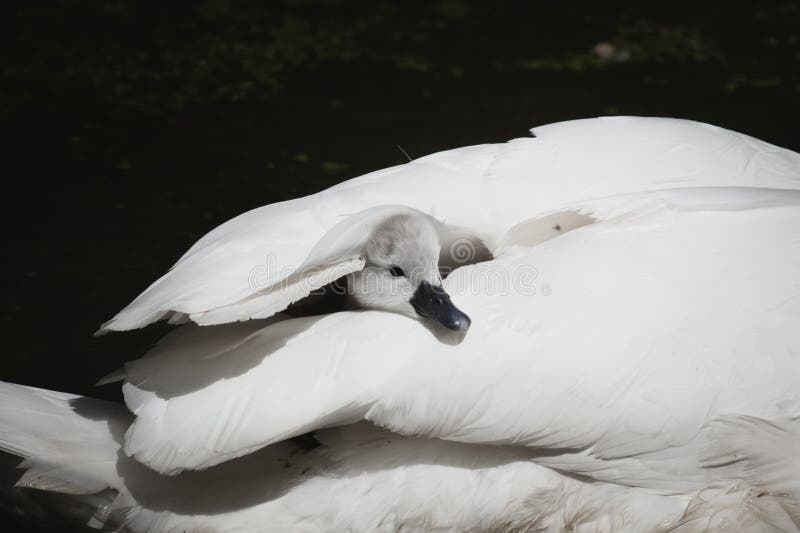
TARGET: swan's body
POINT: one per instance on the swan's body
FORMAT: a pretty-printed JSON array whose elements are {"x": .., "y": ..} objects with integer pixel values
[{"x": 633, "y": 362}]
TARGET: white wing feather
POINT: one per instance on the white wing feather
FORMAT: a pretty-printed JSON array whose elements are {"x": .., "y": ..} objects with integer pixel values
[
  {"x": 65, "y": 451},
  {"x": 488, "y": 188}
]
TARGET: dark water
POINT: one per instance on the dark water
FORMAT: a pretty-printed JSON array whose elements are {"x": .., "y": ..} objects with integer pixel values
[{"x": 132, "y": 128}]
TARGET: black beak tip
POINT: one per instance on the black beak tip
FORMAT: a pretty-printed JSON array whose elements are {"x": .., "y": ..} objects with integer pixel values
[{"x": 461, "y": 324}]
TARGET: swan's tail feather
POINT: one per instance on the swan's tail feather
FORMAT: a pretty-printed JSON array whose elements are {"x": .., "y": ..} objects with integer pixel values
[{"x": 69, "y": 446}]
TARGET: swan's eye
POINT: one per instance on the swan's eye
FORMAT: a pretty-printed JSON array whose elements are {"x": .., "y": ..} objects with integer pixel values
[{"x": 396, "y": 271}]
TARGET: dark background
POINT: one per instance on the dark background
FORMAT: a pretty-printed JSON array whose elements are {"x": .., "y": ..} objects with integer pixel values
[{"x": 130, "y": 128}]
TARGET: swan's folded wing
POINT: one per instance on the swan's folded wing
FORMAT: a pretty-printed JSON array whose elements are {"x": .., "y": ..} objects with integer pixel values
[
  {"x": 607, "y": 348},
  {"x": 228, "y": 274}
]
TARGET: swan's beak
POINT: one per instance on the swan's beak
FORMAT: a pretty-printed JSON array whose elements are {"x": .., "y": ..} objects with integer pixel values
[{"x": 432, "y": 302}]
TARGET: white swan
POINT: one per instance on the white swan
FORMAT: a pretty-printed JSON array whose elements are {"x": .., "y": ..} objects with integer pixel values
[
  {"x": 653, "y": 388},
  {"x": 637, "y": 372}
]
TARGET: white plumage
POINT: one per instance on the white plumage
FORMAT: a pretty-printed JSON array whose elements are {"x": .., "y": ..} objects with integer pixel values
[{"x": 633, "y": 362}]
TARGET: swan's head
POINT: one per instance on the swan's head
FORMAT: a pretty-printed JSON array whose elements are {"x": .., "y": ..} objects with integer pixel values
[{"x": 401, "y": 273}]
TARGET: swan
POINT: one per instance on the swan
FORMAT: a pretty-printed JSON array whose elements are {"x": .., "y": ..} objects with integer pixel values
[
  {"x": 631, "y": 364},
  {"x": 389, "y": 258},
  {"x": 652, "y": 387},
  {"x": 401, "y": 272}
]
